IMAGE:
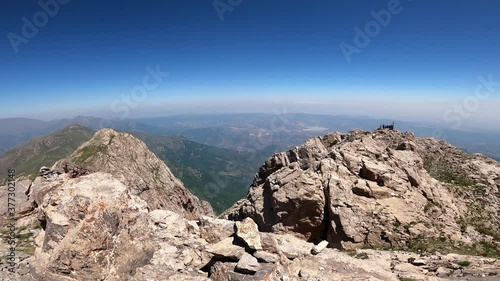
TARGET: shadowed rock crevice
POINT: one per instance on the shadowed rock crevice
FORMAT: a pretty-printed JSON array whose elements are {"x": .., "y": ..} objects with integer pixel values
[
  {"x": 327, "y": 216},
  {"x": 269, "y": 215},
  {"x": 338, "y": 234}
]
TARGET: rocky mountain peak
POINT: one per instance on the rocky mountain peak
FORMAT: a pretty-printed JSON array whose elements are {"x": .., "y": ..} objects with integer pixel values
[
  {"x": 130, "y": 161},
  {"x": 381, "y": 188}
]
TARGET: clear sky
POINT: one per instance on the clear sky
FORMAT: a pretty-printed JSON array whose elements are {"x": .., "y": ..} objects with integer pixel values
[{"x": 87, "y": 56}]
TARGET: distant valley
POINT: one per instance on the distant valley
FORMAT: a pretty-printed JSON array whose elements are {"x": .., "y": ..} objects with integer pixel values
[{"x": 218, "y": 175}]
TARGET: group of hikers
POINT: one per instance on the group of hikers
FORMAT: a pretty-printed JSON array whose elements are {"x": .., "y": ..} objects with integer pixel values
[{"x": 389, "y": 127}]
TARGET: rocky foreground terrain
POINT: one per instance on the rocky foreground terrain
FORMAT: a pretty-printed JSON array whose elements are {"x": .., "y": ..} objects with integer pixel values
[{"x": 380, "y": 205}]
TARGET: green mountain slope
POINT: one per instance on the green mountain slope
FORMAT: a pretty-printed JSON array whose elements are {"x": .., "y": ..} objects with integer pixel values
[
  {"x": 27, "y": 158},
  {"x": 220, "y": 176}
]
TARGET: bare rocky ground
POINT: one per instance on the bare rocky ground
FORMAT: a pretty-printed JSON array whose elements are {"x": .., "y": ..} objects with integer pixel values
[
  {"x": 115, "y": 212},
  {"x": 211, "y": 249}
]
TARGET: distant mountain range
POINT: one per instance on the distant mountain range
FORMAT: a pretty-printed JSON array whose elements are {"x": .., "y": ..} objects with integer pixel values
[
  {"x": 14, "y": 131},
  {"x": 251, "y": 132}
]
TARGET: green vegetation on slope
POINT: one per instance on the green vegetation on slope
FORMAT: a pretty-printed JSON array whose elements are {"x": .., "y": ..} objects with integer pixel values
[
  {"x": 89, "y": 151},
  {"x": 444, "y": 172},
  {"x": 27, "y": 158},
  {"x": 472, "y": 192},
  {"x": 442, "y": 245}
]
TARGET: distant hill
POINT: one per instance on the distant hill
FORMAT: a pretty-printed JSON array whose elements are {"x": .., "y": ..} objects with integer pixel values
[
  {"x": 220, "y": 176},
  {"x": 14, "y": 131},
  {"x": 129, "y": 160},
  {"x": 27, "y": 158}
]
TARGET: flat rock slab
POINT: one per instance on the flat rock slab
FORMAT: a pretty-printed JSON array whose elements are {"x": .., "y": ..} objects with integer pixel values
[
  {"x": 226, "y": 249},
  {"x": 247, "y": 264}
]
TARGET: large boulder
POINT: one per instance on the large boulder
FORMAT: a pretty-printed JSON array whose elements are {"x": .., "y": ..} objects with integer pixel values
[
  {"x": 248, "y": 231},
  {"x": 93, "y": 229}
]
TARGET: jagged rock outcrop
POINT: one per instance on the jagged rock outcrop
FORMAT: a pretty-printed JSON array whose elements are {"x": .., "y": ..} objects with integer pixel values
[
  {"x": 383, "y": 189},
  {"x": 129, "y": 160}
]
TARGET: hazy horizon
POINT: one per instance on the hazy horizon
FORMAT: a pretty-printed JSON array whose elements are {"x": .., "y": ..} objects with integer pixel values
[
  {"x": 419, "y": 61},
  {"x": 484, "y": 119}
]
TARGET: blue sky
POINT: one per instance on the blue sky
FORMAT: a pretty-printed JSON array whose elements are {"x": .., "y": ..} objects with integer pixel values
[{"x": 90, "y": 53}]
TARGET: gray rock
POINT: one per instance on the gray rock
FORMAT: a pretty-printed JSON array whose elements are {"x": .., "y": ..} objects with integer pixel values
[
  {"x": 248, "y": 231},
  {"x": 215, "y": 230},
  {"x": 285, "y": 278},
  {"x": 44, "y": 170},
  {"x": 226, "y": 249},
  {"x": 266, "y": 257},
  {"x": 103, "y": 219},
  {"x": 247, "y": 264},
  {"x": 320, "y": 247},
  {"x": 293, "y": 247},
  {"x": 417, "y": 262},
  {"x": 225, "y": 272}
]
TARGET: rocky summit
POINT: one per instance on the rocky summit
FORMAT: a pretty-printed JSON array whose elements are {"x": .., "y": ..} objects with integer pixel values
[
  {"x": 380, "y": 205},
  {"x": 378, "y": 189}
]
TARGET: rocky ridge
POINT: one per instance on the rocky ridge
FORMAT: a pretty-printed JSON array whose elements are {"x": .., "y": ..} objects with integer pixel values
[
  {"x": 132, "y": 163},
  {"x": 378, "y": 189}
]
